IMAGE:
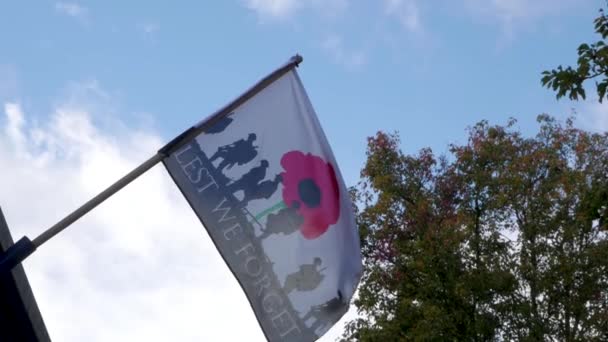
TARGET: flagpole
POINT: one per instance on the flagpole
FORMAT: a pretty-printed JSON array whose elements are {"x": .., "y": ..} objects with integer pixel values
[
  {"x": 95, "y": 201},
  {"x": 24, "y": 247}
]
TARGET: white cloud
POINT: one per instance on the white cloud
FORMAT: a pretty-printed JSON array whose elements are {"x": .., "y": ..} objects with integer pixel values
[
  {"x": 14, "y": 125},
  {"x": 137, "y": 268},
  {"x": 351, "y": 59},
  {"x": 512, "y": 14},
  {"x": 273, "y": 8},
  {"x": 149, "y": 31},
  {"x": 71, "y": 9},
  {"x": 282, "y": 9},
  {"x": 406, "y": 11},
  {"x": 594, "y": 116},
  {"x": 149, "y": 28}
]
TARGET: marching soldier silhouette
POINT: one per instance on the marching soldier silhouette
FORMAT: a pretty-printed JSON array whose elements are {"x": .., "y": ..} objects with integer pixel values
[
  {"x": 239, "y": 152},
  {"x": 250, "y": 179},
  {"x": 252, "y": 185},
  {"x": 326, "y": 313},
  {"x": 221, "y": 125},
  {"x": 261, "y": 190},
  {"x": 286, "y": 221},
  {"x": 307, "y": 278}
]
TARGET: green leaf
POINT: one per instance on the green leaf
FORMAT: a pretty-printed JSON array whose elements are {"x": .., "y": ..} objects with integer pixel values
[{"x": 601, "y": 89}]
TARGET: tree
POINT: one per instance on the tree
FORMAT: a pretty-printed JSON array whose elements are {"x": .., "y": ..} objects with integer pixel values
[
  {"x": 499, "y": 240},
  {"x": 592, "y": 63}
]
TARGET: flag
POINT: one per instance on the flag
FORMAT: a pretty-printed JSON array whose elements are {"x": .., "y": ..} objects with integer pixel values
[{"x": 262, "y": 179}]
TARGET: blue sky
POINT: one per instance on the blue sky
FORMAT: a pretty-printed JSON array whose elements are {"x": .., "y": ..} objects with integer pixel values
[
  {"x": 426, "y": 69},
  {"x": 115, "y": 70}
]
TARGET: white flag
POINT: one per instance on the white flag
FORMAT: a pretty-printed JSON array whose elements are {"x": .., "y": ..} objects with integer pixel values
[{"x": 262, "y": 178}]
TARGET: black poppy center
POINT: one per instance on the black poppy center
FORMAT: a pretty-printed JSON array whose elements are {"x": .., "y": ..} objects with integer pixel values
[{"x": 309, "y": 193}]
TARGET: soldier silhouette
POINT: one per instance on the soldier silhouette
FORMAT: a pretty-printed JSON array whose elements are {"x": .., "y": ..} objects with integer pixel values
[
  {"x": 221, "y": 125},
  {"x": 239, "y": 152},
  {"x": 261, "y": 190},
  {"x": 286, "y": 221},
  {"x": 307, "y": 278},
  {"x": 326, "y": 313},
  {"x": 252, "y": 185}
]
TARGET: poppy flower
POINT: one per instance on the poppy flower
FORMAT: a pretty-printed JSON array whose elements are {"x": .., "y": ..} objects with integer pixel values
[{"x": 310, "y": 186}]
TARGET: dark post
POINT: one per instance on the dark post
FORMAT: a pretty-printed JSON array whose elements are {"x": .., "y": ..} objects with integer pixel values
[{"x": 20, "y": 319}]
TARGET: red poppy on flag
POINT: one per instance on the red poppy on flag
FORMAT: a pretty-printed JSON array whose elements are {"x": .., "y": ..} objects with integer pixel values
[{"x": 310, "y": 185}]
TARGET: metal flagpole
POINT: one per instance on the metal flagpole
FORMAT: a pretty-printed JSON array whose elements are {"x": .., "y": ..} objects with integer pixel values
[
  {"x": 24, "y": 247},
  {"x": 95, "y": 201}
]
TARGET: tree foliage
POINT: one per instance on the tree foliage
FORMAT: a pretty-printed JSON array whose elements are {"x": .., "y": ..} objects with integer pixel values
[
  {"x": 503, "y": 239},
  {"x": 592, "y": 63}
]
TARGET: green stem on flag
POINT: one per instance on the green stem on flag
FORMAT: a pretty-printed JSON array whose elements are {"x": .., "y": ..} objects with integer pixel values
[{"x": 275, "y": 207}]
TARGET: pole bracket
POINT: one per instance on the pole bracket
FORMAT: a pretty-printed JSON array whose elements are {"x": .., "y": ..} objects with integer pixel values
[{"x": 15, "y": 254}]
